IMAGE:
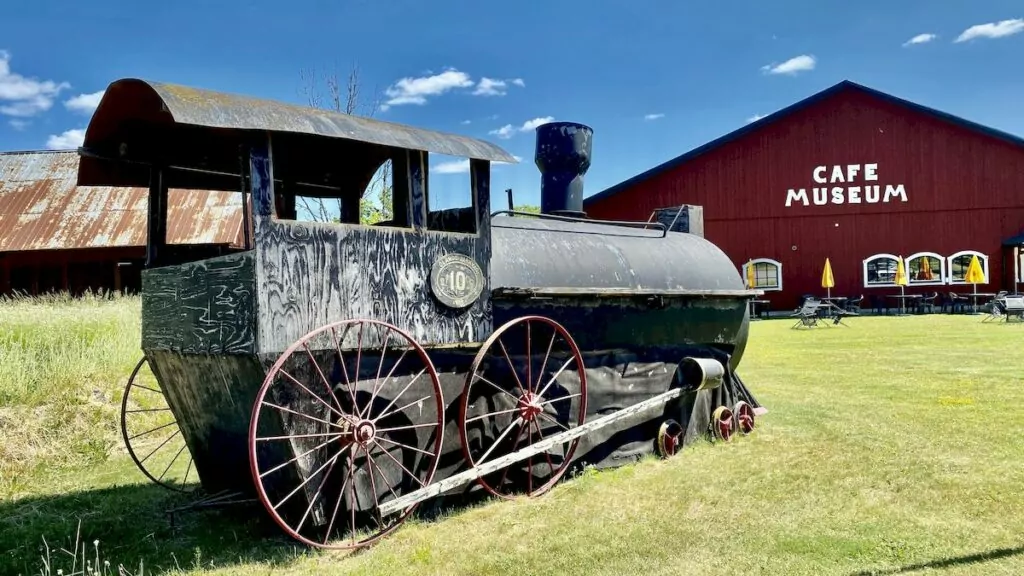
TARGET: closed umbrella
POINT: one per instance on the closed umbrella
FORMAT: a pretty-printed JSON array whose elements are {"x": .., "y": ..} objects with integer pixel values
[
  {"x": 827, "y": 281},
  {"x": 901, "y": 280},
  {"x": 975, "y": 275}
]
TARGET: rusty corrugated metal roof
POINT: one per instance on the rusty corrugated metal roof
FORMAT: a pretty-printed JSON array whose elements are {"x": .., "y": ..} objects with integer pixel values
[{"x": 41, "y": 208}]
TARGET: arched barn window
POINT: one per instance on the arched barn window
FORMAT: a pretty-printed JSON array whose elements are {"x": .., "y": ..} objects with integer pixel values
[
  {"x": 880, "y": 270},
  {"x": 767, "y": 274},
  {"x": 926, "y": 268},
  {"x": 959, "y": 262}
]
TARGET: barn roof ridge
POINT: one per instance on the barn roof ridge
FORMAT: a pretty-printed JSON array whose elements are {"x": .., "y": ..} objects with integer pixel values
[
  {"x": 43, "y": 151},
  {"x": 814, "y": 98}
]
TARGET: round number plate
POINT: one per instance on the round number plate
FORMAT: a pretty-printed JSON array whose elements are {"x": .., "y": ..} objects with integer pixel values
[{"x": 456, "y": 280}]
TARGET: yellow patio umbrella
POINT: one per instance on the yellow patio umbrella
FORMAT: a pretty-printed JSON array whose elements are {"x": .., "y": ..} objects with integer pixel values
[
  {"x": 901, "y": 280},
  {"x": 750, "y": 275},
  {"x": 926, "y": 269},
  {"x": 827, "y": 281},
  {"x": 975, "y": 275}
]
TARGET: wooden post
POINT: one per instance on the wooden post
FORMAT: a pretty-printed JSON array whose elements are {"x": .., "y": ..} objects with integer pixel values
[
  {"x": 156, "y": 237},
  {"x": 400, "y": 197},
  {"x": 261, "y": 179},
  {"x": 418, "y": 188},
  {"x": 480, "y": 181}
]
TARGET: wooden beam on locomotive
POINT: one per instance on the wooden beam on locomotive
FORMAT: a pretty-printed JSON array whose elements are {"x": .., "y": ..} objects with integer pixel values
[
  {"x": 711, "y": 372},
  {"x": 620, "y": 292}
]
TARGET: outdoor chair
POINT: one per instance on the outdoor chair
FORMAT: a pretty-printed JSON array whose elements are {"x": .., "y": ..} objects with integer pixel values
[
  {"x": 853, "y": 304},
  {"x": 927, "y": 303},
  {"x": 1013, "y": 307},
  {"x": 954, "y": 301},
  {"x": 807, "y": 314}
]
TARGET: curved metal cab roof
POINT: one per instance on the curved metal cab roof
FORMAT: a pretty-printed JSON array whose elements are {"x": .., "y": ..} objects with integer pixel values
[{"x": 141, "y": 121}]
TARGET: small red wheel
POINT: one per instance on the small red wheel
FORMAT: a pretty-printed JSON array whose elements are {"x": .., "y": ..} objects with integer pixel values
[
  {"x": 332, "y": 405},
  {"x": 722, "y": 424},
  {"x": 508, "y": 404},
  {"x": 744, "y": 416},
  {"x": 149, "y": 426},
  {"x": 670, "y": 438}
]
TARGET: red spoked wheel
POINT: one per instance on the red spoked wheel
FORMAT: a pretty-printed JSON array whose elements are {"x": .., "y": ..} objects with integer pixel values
[
  {"x": 349, "y": 417},
  {"x": 722, "y": 423},
  {"x": 148, "y": 427},
  {"x": 670, "y": 438},
  {"x": 744, "y": 417},
  {"x": 526, "y": 384}
]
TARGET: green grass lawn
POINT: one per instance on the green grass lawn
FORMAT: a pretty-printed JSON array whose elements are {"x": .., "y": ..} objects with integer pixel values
[{"x": 891, "y": 446}]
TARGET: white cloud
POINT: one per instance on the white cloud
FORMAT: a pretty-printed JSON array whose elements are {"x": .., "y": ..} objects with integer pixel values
[
  {"x": 69, "y": 140},
  {"x": 460, "y": 166},
  {"x": 755, "y": 118},
  {"x": 507, "y": 131},
  {"x": 992, "y": 30},
  {"x": 465, "y": 122},
  {"x": 495, "y": 87},
  {"x": 801, "y": 63},
  {"x": 452, "y": 167},
  {"x": 920, "y": 39},
  {"x": 532, "y": 124},
  {"x": 417, "y": 90},
  {"x": 19, "y": 124},
  {"x": 85, "y": 103},
  {"x": 653, "y": 116},
  {"x": 24, "y": 97}
]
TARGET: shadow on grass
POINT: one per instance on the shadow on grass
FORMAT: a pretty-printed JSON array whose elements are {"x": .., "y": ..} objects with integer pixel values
[
  {"x": 132, "y": 524},
  {"x": 947, "y": 562}
]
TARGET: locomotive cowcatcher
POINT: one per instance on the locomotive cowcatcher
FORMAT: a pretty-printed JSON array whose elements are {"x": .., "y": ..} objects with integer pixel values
[{"x": 342, "y": 373}]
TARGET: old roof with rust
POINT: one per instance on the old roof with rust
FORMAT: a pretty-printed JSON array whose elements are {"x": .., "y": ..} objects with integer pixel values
[{"x": 41, "y": 208}]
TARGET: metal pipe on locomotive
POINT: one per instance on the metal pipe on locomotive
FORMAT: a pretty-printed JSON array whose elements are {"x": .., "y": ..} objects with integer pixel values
[{"x": 342, "y": 374}]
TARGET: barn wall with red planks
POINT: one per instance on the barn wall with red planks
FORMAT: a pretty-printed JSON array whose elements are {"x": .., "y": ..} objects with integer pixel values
[{"x": 943, "y": 186}]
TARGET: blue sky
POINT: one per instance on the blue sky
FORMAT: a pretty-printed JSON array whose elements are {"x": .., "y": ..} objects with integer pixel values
[{"x": 653, "y": 78}]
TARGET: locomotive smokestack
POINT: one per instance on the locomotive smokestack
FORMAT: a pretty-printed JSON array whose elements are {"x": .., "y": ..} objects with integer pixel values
[{"x": 563, "y": 157}]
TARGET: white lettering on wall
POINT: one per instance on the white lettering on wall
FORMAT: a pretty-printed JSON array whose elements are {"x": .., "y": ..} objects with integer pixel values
[{"x": 850, "y": 194}]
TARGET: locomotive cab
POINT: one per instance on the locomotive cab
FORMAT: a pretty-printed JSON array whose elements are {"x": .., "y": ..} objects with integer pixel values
[{"x": 166, "y": 137}]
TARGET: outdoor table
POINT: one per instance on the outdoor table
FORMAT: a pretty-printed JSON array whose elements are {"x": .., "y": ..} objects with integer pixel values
[
  {"x": 753, "y": 308},
  {"x": 903, "y": 301},
  {"x": 832, "y": 303},
  {"x": 974, "y": 296}
]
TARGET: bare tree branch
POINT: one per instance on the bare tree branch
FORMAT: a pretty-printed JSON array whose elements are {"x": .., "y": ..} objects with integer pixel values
[{"x": 375, "y": 204}]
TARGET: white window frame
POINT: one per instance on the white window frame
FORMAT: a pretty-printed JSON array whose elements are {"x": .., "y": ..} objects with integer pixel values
[
  {"x": 864, "y": 270},
  {"x": 778, "y": 267},
  {"x": 941, "y": 275},
  {"x": 981, "y": 257}
]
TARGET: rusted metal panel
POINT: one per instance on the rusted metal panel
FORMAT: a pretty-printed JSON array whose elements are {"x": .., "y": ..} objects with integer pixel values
[
  {"x": 41, "y": 208},
  {"x": 206, "y": 108},
  {"x": 962, "y": 190}
]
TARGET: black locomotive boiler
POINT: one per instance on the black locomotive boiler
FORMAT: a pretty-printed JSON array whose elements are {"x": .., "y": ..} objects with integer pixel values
[{"x": 342, "y": 373}]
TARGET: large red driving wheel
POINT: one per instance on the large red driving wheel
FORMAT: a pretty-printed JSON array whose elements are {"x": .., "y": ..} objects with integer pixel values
[
  {"x": 151, "y": 433},
  {"x": 526, "y": 384},
  {"x": 349, "y": 417}
]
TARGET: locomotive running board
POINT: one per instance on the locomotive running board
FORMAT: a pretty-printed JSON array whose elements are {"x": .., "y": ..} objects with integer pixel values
[{"x": 707, "y": 372}]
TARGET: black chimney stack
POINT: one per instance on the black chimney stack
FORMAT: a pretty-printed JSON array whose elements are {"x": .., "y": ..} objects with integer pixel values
[{"x": 563, "y": 157}]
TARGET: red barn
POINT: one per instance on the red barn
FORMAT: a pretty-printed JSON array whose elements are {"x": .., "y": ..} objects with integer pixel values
[{"x": 857, "y": 176}]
